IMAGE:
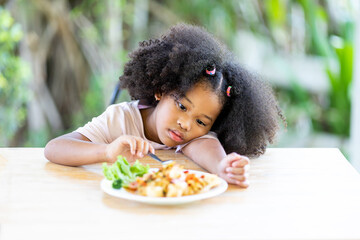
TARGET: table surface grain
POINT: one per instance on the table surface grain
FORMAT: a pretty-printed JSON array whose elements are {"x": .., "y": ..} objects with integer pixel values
[{"x": 294, "y": 193}]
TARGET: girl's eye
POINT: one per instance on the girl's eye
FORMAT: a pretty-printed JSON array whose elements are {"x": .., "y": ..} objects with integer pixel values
[
  {"x": 200, "y": 122},
  {"x": 182, "y": 107}
]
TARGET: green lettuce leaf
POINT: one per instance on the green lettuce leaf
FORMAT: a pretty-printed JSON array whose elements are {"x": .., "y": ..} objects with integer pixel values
[
  {"x": 138, "y": 169},
  {"x": 121, "y": 169}
]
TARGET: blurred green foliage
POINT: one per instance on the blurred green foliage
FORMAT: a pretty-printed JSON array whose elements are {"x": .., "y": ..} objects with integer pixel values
[
  {"x": 330, "y": 39},
  {"x": 219, "y": 16},
  {"x": 273, "y": 20},
  {"x": 333, "y": 41},
  {"x": 97, "y": 33},
  {"x": 14, "y": 76},
  {"x": 338, "y": 114},
  {"x": 338, "y": 53}
]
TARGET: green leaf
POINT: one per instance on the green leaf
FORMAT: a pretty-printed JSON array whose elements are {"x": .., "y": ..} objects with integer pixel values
[{"x": 122, "y": 170}]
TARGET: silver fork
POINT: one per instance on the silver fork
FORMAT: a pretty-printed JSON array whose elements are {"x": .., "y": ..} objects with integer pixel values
[{"x": 158, "y": 159}]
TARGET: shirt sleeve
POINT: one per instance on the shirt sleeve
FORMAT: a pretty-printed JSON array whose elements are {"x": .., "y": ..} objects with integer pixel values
[
  {"x": 211, "y": 135},
  {"x": 98, "y": 129}
]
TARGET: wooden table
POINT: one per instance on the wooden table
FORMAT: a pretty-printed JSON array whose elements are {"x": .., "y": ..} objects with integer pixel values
[{"x": 293, "y": 194}]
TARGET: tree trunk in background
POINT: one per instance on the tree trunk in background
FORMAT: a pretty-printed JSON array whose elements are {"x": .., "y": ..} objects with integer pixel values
[
  {"x": 114, "y": 43},
  {"x": 62, "y": 57},
  {"x": 60, "y": 71},
  {"x": 34, "y": 49},
  {"x": 141, "y": 18}
]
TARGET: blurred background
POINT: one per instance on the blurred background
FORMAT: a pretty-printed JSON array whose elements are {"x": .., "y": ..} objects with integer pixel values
[{"x": 61, "y": 59}]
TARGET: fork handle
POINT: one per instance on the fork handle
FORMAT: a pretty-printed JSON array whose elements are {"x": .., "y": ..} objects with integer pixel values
[{"x": 154, "y": 157}]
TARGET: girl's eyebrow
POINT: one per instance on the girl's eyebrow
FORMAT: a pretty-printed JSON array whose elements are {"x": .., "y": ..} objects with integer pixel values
[
  {"x": 193, "y": 105},
  {"x": 208, "y": 117},
  {"x": 189, "y": 100}
]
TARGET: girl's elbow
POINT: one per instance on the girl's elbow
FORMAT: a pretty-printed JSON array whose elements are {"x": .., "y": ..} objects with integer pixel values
[{"x": 49, "y": 151}]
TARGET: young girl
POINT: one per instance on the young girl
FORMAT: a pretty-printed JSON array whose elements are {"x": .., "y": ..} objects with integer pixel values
[{"x": 191, "y": 95}]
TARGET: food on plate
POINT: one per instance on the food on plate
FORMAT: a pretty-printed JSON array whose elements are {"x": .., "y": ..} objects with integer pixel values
[
  {"x": 122, "y": 174},
  {"x": 171, "y": 180},
  {"x": 117, "y": 184}
]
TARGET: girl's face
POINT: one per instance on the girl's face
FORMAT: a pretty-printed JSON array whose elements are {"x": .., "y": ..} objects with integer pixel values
[{"x": 179, "y": 120}]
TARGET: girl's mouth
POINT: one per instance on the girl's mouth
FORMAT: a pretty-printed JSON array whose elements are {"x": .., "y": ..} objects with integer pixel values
[{"x": 176, "y": 136}]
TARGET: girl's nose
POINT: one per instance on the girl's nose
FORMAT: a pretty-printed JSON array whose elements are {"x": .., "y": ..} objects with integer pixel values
[{"x": 184, "y": 124}]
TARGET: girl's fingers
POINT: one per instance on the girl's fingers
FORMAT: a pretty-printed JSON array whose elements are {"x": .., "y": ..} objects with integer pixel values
[
  {"x": 143, "y": 147},
  {"x": 238, "y": 170},
  {"x": 231, "y": 181},
  {"x": 236, "y": 160},
  {"x": 140, "y": 147},
  {"x": 240, "y": 178},
  {"x": 243, "y": 161},
  {"x": 232, "y": 157},
  {"x": 243, "y": 184},
  {"x": 132, "y": 145},
  {"x": 146, "y": 148},
  {"x": 152, "y": 150},
  {"x": 235, "y": 170}
]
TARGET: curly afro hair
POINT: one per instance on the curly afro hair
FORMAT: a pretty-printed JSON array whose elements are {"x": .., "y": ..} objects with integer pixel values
[{"x": 178, "y": 60}]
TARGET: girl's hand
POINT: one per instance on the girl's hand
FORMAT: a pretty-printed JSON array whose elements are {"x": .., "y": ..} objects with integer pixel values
[
  {"x": 234, "y": 169},
  {"x": 128, "y": 146}
]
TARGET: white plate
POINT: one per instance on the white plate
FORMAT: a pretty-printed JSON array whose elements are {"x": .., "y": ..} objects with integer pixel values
[{"x": 106, "y": 186}]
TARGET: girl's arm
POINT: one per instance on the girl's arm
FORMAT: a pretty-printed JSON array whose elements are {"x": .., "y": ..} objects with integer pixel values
[
  {"x": 206, "y": 152},
  {"x": 74, "y": 149},
  {"x": 210, "y": 154}
]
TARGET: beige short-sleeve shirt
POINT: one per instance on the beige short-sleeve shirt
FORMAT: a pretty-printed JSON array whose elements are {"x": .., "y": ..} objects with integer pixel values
[{"x": 121, "y": 119}]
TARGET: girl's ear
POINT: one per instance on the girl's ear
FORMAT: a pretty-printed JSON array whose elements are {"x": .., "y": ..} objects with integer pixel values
[{"x": 158, "y": 96}]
